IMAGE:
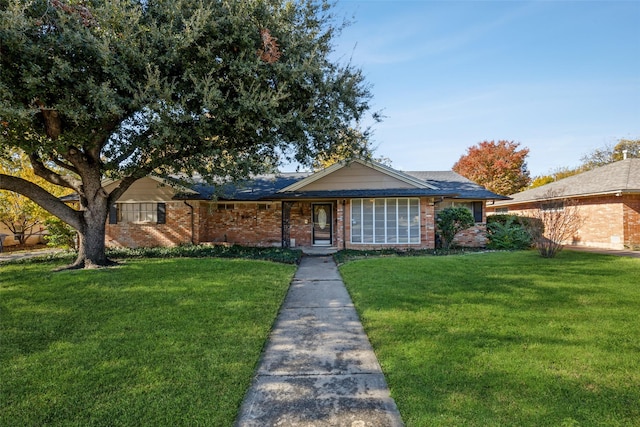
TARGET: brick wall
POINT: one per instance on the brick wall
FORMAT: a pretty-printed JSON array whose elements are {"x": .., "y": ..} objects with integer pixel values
[
  {"x": 176, "y": 231},
  {"x": 248, "y": 224},
  {"x": 631, "y": 212},
  {"x": 301, "y": 223},
  {"x": 611, "y": 222},
  {"x": 245, "y": 224},
  {"x": 474, "y": 237}
]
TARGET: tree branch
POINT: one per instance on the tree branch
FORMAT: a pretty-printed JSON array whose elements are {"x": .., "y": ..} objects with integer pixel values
[
  {"x": 43, "y": 198},
  {"x": 55, "y": 178}
]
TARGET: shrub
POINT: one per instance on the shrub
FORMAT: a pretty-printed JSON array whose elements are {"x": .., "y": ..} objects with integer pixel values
[
  {"x": 507, "y": 232},
  {"x": 60, "y": 234},
  {"x": 286, "y": 256},
  {"x": 450, "y": 221}
]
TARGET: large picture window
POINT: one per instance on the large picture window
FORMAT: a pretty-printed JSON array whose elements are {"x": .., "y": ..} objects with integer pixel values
[{"x": 385, "y": 221}]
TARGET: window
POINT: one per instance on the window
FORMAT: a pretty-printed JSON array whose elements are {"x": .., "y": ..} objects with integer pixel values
[
  {"x": 385, "y": 221},
  {"x": 502, "y": 210},
  {"x": 474, "y": 207},
  {"x": 264, "y": 206},
  {"x": 226, "y": 206},
  {"x": 138, "y": 213},
  {"x": 553, "y": 206}
]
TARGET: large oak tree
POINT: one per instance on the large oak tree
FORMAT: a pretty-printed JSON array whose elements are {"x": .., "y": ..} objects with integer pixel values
[
  {"x": 499, "y": 166},
  {"x": 124, "y": 88}
]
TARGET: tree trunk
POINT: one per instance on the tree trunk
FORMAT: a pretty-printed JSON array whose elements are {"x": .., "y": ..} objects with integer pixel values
[{"x": 91, "y": 246}]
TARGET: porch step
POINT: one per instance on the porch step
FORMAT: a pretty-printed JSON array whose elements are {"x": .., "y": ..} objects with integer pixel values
[{"x": 318, "y": 250}]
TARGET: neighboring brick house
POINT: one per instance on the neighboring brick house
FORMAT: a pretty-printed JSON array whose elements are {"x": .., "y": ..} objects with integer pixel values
[
  {"x": 356, "y": 205},
  {"x": 607, "y": 198}
]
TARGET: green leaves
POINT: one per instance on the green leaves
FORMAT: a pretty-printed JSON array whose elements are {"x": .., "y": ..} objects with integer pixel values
[
  {"x": 450, "y": 221},
  {"x": 126, "y": 88}
]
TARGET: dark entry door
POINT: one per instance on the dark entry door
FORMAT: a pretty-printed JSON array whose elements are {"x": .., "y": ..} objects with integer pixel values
[{"x": 322, "y": 224}]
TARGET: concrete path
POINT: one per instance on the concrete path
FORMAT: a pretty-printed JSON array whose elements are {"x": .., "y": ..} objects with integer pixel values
[
  {"x": 318, "y": 368},
  {"x": 13, "y": 256},
  {"x": 616, "y": 252}
]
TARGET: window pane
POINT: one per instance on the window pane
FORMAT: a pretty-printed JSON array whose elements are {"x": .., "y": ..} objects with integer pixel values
[
  {"x": 356, "y": 221},
  {"x": 414, "y": 221},
  {"x": 367, "y": 221},
  {"x": 379, "y": 221},
  {"x": 392, "y": 221},
  {"x": 403, "y": 221}
]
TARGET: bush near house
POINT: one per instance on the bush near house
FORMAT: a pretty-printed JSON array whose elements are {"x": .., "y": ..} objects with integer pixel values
[
  {"x": 508, "y": 232},
  {"x": 451, "y": 221}
]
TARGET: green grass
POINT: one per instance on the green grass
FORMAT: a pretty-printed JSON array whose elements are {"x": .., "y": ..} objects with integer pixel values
[
  {"x": 150, "y": 342},
  {"x": 505, "y": 339}
]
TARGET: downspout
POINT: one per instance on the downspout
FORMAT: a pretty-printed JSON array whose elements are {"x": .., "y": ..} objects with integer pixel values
[{"x": 192, "y": 222}]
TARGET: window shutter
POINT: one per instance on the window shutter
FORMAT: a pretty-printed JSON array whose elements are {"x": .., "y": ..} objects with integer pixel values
[
  {"x": 162, "y": 213},
  {"x": 477, "y": 211},
  {"x": 113, "y": 214}
]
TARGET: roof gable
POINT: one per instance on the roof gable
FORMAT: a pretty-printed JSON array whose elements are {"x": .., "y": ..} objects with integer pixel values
[
  {"x": 147, "y": 189},
  {"x": 357, "y": 175}
]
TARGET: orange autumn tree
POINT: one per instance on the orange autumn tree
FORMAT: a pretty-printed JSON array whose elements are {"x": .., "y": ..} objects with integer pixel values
[{"x": 498, "y": 166}]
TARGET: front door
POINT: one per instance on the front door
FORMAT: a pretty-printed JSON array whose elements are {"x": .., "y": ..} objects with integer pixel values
[{"x": 322, "y": 224}]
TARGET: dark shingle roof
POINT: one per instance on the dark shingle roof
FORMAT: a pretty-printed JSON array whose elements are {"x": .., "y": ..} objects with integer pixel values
[
  {"x": 619, "y": 177},
  {"x": 267, "y": 187},
  {"x": 257, "y": 188},
  {"x": 450, "y": 181}
]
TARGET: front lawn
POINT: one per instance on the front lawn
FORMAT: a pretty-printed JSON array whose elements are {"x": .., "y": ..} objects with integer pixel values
[
  {"x": 151, "y": 342},
  {"x": 502, "y": 339}
]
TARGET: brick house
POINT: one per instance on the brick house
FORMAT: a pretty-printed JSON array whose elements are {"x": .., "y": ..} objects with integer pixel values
[
  {"x": 607, "y": 199},
  {"x": 358, "y": 205}
]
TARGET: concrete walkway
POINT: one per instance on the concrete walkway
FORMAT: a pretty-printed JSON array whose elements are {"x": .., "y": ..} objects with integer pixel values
[
  {"x": 616, "y": 252},
  {"x": 13, "y": 256},
  {"x": 318, "y": 368}
]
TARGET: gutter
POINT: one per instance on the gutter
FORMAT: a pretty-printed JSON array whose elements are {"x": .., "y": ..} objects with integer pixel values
[{"x": 616, "y": 193}]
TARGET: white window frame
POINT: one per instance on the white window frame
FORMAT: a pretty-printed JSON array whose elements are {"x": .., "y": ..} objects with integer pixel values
[{"x": 402, "y": 231}]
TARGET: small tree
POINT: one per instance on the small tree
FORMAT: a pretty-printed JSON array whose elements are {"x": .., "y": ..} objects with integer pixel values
[
  {"x": 556, "y": 221},
  {"x": 60, "y": 234},
  {"x": 451, "y": 221}
]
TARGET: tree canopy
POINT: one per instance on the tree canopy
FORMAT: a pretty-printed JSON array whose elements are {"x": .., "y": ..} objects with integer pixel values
[
  {"x": 123, "y": 89},
  {"x": 499, "y": 166},
  {"x": 609, "y": 154}
]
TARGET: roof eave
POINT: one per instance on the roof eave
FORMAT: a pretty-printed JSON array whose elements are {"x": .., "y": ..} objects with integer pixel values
[{"x": 620, "y": 192}]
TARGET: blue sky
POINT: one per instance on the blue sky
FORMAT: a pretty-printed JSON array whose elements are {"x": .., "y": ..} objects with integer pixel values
[{"x": 560, "y": 77}]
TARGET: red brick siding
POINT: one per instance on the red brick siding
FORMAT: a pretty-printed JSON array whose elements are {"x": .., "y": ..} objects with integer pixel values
[
  {"x": 301, "y": 223},
  {"x": 631, "y": 212},
  {"x": 474, "y": 237},
  {"x": 249, "y": 226},
  {"x": 176, "y": 231},
  {"x": 609, "y": 221},
  {"x": 244, "y": 225}
]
